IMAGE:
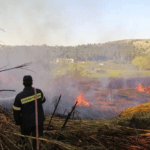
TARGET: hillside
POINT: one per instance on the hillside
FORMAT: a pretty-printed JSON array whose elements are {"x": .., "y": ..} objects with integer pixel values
[{"x": 120, "y": 51}]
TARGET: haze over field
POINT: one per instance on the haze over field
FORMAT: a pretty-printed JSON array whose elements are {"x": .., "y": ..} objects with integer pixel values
[
  {"x": 72, "y": 78},
  {"x": 94, "y": 52},
  {"x": 47, "y": 31}
]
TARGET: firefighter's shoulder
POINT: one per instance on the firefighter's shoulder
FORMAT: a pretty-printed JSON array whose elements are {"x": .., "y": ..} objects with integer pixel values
[
  {"x": 42, "y": 95},
  {"x": 18, "y": 96},
  {"x": 39, "y": 91}
]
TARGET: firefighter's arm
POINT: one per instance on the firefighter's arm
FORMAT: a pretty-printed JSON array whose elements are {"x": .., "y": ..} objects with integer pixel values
[
  {"x": 43, "y": 98},
  {"x": 17, "y": 111}
]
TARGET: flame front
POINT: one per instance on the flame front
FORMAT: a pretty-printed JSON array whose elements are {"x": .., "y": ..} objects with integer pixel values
[
  {"x": 140, "y": 88},
  {"x": 81, "y": 100}
]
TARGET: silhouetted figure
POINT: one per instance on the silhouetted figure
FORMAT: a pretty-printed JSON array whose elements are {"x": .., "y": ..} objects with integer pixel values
[{"x": 24, "y": 110}]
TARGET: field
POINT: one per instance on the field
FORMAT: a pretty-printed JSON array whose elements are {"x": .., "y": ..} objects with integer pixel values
[{"x": 94, "y": 69}]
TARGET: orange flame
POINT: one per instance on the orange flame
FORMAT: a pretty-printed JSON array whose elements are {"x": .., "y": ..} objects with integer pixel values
[
  {"x": 81, "y": 100},
  {"x": 140, "y": 88},
  {"x": 147, "y": 89}
]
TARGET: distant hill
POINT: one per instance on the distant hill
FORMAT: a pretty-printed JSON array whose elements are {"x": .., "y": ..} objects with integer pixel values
[{"x": 122, "y": 51}]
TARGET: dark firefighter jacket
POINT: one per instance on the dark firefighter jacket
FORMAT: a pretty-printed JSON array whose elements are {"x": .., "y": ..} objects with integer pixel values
[{"x": 24, "y": 107}]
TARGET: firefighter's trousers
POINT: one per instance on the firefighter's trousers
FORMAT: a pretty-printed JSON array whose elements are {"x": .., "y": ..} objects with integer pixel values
[{"x": 32, "y": 131}]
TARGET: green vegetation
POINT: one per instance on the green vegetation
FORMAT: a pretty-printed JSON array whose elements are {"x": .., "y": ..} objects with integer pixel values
[
  {"x": 143, "y": 62},
  {"x": 76, "y": 69},
  {"x": 115, "y": 73},
  {"x": 142, "y": 47},
  {"x": 129, "y": 58},
  {"x": 92, "y": 69}
]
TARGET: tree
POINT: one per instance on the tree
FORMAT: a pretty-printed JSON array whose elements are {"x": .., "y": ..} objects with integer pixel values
[{"x": 143, "y": 62}]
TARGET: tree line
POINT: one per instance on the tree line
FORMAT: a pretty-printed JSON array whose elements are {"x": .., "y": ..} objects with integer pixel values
[{"x": 125, "y": 51}]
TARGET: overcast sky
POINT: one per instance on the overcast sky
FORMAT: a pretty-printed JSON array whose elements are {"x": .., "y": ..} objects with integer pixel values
[{"x": 72, "y": 22}]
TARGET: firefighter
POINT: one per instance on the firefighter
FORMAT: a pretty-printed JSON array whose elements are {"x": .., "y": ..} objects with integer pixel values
[{"x": 24, "y": 110}]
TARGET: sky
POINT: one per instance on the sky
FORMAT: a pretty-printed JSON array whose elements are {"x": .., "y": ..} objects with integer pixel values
[{"x": 72, "y": 22}]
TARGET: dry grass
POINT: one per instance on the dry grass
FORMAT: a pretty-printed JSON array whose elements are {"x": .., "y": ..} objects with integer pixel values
[
  {"x": 119, "y": 133},
  {"x": 143, "y": 108}
]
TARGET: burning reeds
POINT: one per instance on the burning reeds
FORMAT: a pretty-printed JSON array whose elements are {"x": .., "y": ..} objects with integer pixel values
[{"x": 120, "y": 133}]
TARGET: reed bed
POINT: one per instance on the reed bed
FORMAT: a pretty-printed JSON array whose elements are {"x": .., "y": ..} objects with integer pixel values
[{"x": 119, "y": 133}]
